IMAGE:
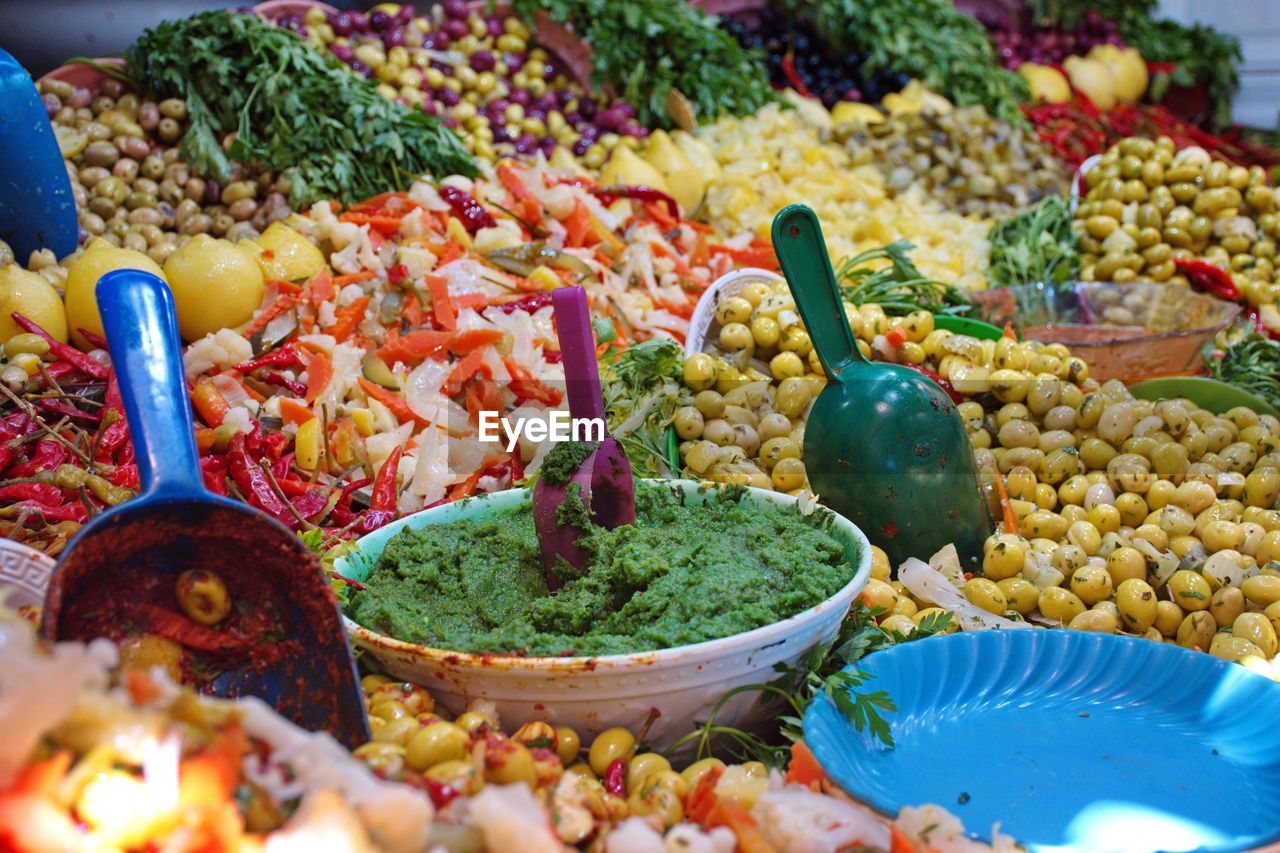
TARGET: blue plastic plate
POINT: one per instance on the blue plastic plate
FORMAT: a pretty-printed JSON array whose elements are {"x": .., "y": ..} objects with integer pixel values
[{"x": 1069, "y": 740}]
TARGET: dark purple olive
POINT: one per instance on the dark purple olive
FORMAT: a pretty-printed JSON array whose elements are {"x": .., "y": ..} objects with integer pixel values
[
  {"x": 497, "y": 106},
  {"x": 563, "y": 96},
  {"x": 450, "y": 98},
  {"x": 574, "y": 120},
  {"x": 359, "y": 22},
  {"x": 545, "y": 102},
  {"x": 580, "y": 147},
  {"x": 361, "y": 68},
  {"x": 591, "y": 132},
  {"x": 342, "y": 51},
  {"x": 442, "y": 66},
  {"x": 612, "y": 118},
  {"x": 455, "y": 28},
  {"x": 641, "y": 132},
  {"x": 457, "y": 9},
  {"x": 435, "y": 40},
  {"x": 547, "y": 145},
  {"x": 500, "y": 133},
  {"x": 535, "y": 113},
  {"x": 629, "y": 128},
  {"x": 520, "y": 96},
  {"x": 587, "y": 107},
  {"x": 625, "y": 109},
  {"x": 393, "y": 37},
  {"x": 341, "y": 23},
  {"x": 482, "y": 60},
  {"x": 52, "y": 103},
  {"x": 451, "y": 122},
  {"x": 494, "y": 27},
  {"x": 405, "y": 16},
  {"x": 379, "y": 20},
  {"x": 526, "y": 143},
  {"x": 515, "y": 61}
]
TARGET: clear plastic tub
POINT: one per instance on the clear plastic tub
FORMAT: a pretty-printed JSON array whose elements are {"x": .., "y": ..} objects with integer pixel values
[{"x": 1131, "y": 331}]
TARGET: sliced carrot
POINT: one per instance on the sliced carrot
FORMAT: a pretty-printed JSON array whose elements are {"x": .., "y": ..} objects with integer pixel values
[
  {"x": 272, "y": 311},
  {"x": 663, "y": 249},
  {"x": 348, "y": 317},
  {"x": 209, "y": 403},
  {"x": 577, "y": 226},
  {"x": 441, "y": 303},
  {"x": 283, "y": 286},
  {"x": 804, "y": 768},
  {"x": 413, "y": 347},
  {"x": 899, "y": 842},
  {"x": 353, "y": 278},
  {"x": 1006, "y": 505},
  {"x": 41, "y": 777},
  {"x": 396, "y": 405},
  {"x": 449, "y": 253},
  {"x": 735, "y": 816},
  {"x": 470, "y": 300},
  {"x": 465, "y": 341},
  {"x": 321, "y": 287},
  {"x": 466, "y": 488},
  {"x": 412, "y": 310},
  {"x": 750, "y": 257},
  {"x": 895, "y": 337},
  {"x": 658, "y": 212},
  {"x": 530, "y": 207},
  {"x": 1008, "y": 330},
  {"x": 526, "y": 387},
  {"x": 471, "y": 364},
  {"x": 141, "y": 687},
  {"x": 204, "y": 440},
  {"x": 295, "y": 411},
  {"x": 483, "y": 396},
  {"x": 319, "y": 374}
]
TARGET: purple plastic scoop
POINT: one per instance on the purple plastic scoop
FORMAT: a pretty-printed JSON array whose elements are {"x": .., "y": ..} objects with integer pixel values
[{"x": 604, "y": 475}]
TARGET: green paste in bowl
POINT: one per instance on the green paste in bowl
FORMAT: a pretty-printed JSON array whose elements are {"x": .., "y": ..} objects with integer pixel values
[{"x": 680, "y": 575}]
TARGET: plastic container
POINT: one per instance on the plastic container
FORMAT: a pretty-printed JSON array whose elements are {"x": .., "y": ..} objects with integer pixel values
[
  {"x": 1131, "y": 331},
  {"x": 593, "y": 693},
  {"x": 730, "y": 284},
  {"x": 24, "y": 575}
]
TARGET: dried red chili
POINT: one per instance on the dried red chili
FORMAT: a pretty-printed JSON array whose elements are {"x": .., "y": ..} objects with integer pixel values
[
  {"x": 62, "y": 351},
  {"x": 608, "y": 195},
  {"x": 1208, "y": 277}
]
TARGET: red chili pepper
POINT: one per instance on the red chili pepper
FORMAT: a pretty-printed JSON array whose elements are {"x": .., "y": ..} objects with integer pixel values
[
  {"x": 42, "y": 492},
  {"x": 127, "y": 476},
  {"x": 180, "y": 629},
  {"x": 384, "y": 485},
  {"x": 615, "y": 778},
  {"x": 252, "y": 481},
  {"x": 440, "y": 793},
  {"x": 397, "y": 274},
  {"x": 214, "y": 471},
  {"x": 73, "y": 511},
  {"x": 95, "y": 340},
  {"x": 1260, "y": 327},
  {"x": 48, "y": 455},
  {"x": 293, "y": 386},
  {"x": 789, "y": 69},
  {"x": 1208, "y": 277},
  {"x": 62, "y": 351},
  {"x": 112, "y": 439},
  {"x": 608, "y": 195},
  {"x": 65, "y": 409},
  {"x": 467, "y": 209},
  {"x": 286, "y": 356},
  {"x": 956, "y": 396}
]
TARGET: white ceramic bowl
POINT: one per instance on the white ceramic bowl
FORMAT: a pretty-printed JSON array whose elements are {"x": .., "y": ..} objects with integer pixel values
[
  {"x": 704, "y": 313},
  {"x": 593, "y": 693}
]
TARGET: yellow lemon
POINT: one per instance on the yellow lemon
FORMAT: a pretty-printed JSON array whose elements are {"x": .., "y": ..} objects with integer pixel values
[
  {"x": 98, "y": 259},
  {"x": 283, "y": 253},
  {"x": 215, "y": 286},
  {"x": 30, "y": 295}
]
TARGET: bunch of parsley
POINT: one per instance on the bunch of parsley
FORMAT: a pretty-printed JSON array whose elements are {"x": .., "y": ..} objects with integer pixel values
[{"x": 287, "y": 108}]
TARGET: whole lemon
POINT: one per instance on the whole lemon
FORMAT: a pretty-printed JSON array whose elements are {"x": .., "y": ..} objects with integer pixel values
[
  {"x": 99, "y": 258},
  {"x": 215, "y": 286},
  {"x": 30, "y": 295},
  {"x": 282, "y": 252}
]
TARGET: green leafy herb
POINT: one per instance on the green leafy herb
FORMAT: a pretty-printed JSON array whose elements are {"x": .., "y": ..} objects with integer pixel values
[
  {"x": 289, "y": 108},
  {"x": 821, "y": 672},
  {"x": 641, "y": 386},
  {"x": 898, "y": 288},
  {"x": 644, "y": 48},
  {"x": 1252, "y": 364},
  {"x": 928, "y": 39},
  {"x": 1037, "y": 245}
]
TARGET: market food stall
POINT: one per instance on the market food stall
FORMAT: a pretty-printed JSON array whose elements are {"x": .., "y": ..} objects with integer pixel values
[{"x": 615, "y": 426}]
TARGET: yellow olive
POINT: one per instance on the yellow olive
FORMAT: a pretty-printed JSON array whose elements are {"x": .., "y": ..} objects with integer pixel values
[
  {"x": 1197, "y": 630},
  {"x": 203, "y": 596},
  {"x": 609, "y": 745},
  {"x": 568, "y": 744},
  {"x": 1257, "y": 629},
  {"x": 1060, "y": 605},
  {"x": 984, "y": 593},
  {"x": 1137, "y": 603},
  {"x": 642, "y": 767},
  {"x": 434, "y": 744},
  {"x": 1190, "y": 591}
]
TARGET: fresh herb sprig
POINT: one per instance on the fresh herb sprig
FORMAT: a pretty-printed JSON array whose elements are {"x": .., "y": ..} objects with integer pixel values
[
  {"x": 1252, "y": 364},
  {"x": 288, "y": 108},
  {"x": 644, "y": 48},
  {"x": 928, "y": 39},
  {"x": 1037, "y": 245},
  {"x": 822, "y": 672},
  {"x": 641, "y": 386},
  {"x": 898, "y": 288}
]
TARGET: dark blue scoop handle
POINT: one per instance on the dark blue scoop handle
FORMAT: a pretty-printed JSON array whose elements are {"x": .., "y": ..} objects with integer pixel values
[{"x": 142, "y": 334}]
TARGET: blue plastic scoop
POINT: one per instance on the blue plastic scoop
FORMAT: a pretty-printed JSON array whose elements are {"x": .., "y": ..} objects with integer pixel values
[
  {"x": 37, "y": 208},
  {"x": 122, "y": 576}
]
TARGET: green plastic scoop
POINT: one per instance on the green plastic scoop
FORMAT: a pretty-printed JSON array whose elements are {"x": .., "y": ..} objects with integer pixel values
[{"x": 883, "y": 445}]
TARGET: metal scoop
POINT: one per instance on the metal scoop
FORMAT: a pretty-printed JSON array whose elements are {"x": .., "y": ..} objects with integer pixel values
[
  {"x": 37, "y": 208},
  {"x": 282, "y": 639},
  {"x": 604, "y": 476},
  {"x": 883, "y": 445}
]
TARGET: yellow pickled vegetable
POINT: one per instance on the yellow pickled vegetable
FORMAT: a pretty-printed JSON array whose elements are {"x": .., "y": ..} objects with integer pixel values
[
  {"x": 1093, "y": 78},
  {"x": 215, "y": 286},
  {"x": 847, "y": 111},
  {"x": 32, "y": 296},
  {"x": 683, "y": 179},
  {"x": 1048, "y": 85},
  {"x": 282, "y": 252},
  {"x": 626, "y": 167},
  {"x": 99, "y": 258}
]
